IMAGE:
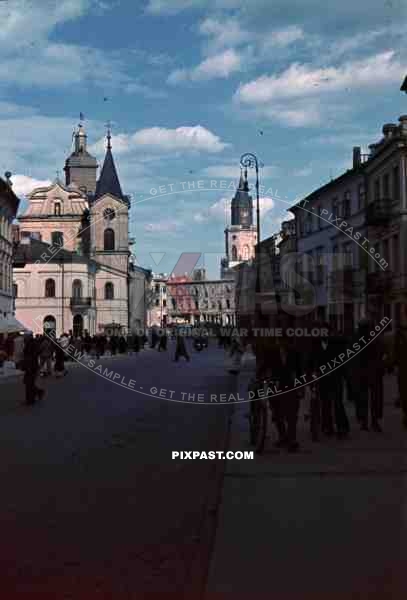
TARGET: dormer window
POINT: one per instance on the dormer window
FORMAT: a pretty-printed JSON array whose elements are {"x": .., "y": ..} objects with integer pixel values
[{"x": 57, "y": 209}]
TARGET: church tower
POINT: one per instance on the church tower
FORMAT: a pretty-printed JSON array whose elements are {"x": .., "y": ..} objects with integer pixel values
[
  {"x": 81, "y": 167},
  {"x": 241, "y": 235},
  {"x": 109, "y": 217}
]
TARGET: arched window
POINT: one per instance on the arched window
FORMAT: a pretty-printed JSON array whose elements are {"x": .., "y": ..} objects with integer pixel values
[
  {"x": 50, "y": 288},
  {"x": 57, "y": 209},
  {"x": 245, "y": 252},
  {"x": 49, "y": 324},
  {"x": 109, "y": 291},
  {"x": 234, "y": 253},
  {"x": 77, "y": 289},
  {"x": 108, "y": 239}
]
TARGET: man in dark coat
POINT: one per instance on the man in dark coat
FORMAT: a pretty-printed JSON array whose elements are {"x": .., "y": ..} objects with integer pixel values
[
  {"x": 331, "y": 384},
  {"x": 286, "y": 368},
  {"x": 180, "y": 348},
  {"x": 31, "y": 369}
]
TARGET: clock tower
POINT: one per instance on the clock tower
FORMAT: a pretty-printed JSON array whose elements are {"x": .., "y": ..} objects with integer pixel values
[{"x": 241, "y": 235}]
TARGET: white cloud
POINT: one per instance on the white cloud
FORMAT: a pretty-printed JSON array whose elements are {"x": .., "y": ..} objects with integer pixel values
[
  {"x": 144, "y": 90},
  {"x": 223, "y": 34},
  {"x": 24, "y": 22},
  {"x": 220, "y": 210},
  {"x": 284, "y": 37},
  {"x": 304, "y": 81},
  {"x": 161, "y": 226},
  {"x": 182, "y": 138},
  {"x": 233, "y": 171},
  {"x": 195, "y": 138},
  {"x": 24, "y": 185},
  {"x": 219, "y": 66},
  {"x": 170, "y": 7},
  {"x": 31, "y": 59},
  {"x": 303, "y": 172},
  {"x": 304, "y": 95}
]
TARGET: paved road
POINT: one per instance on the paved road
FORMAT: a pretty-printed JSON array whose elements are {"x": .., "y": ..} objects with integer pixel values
[
  {"x": 91, "y": 503},
  {"x": 327, "y": 523}
]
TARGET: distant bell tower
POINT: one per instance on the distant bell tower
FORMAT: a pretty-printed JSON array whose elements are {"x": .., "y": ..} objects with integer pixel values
[
  {"x": 241, "y": 235},
  {"x": 81, "y": 167}
]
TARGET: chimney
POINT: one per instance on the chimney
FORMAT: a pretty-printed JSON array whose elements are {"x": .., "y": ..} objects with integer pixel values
[
  {"x": 357, "y": 157},
  {"x": 403, "y": 124}
]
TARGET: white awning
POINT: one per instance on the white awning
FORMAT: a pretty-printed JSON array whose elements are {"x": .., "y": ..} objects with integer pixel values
[{"x": 11, "y": 325}]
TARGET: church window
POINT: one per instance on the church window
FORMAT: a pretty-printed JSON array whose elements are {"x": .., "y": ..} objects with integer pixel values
[
  {"x": 108, "y": 239},
  {"x": 57, "y": 209},
  {"x": 109, "y": 291},
  {"x": 228, "y": 304},
  {"x": 234, "y": 253},
  {"x": 50, "y": 288},
  {"x": 109, "y": 214},
  {"x": 77, "y": 289},
  {"x": 246, "y": 253}
]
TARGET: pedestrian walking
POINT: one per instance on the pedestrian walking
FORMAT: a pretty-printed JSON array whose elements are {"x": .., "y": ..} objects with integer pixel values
[
  {"x": 286, "y": 404},
  {"x": 59, "y": 366},
  {"x": 122, "y": 345},
  {"x": 236, "y": 354},
  {"x": 331, "y": 386},
  {"x": 180, "y": 348},
  {"x": 31, "y": 371},
  {"x": 163, "y": 342},
  {"x": 46, "y": 352}
]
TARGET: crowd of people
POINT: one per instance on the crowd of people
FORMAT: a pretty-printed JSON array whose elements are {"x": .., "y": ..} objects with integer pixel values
[
  {"x": 44, "y": 355},
  {"x": 289, "y": 361}
]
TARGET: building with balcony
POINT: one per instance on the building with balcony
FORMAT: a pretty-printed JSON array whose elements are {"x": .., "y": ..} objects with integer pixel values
[
  {"x": 328, "y": 224},
  {"x": 71, "y": 270}
]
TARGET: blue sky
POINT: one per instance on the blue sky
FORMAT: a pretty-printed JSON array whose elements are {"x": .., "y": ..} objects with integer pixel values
[{"x": 190, "y": 86}]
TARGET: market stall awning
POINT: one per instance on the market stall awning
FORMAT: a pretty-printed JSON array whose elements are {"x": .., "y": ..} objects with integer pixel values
[{"x": 11, "y": 325}]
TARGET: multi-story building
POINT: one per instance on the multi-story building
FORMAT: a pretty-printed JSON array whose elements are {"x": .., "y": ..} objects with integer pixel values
[
  {"x": 329, "y": 260},
  {"x": 8, "y": 210},
  {"x": 386, "y": 220},
  {"x": 352, "y": 233},
  {"x": 197, "y": 301},
  {"x": 75, "y": 246}
]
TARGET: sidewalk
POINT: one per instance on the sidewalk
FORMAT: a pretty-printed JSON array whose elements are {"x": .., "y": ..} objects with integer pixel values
[{"x": 327, "y": 523}]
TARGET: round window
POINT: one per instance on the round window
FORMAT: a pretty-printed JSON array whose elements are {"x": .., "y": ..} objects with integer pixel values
[{"x": 109, "y": 214}]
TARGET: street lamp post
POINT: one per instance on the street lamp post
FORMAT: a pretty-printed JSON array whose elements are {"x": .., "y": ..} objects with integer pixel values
[{"x": 250, "y": 161}]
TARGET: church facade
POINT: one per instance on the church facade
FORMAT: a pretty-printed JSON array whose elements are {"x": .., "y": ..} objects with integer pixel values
[{"x": 74, "y": 243}]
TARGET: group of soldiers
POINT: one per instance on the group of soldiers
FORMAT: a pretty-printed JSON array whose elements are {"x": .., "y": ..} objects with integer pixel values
[{"x": 291, "y": 360}]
